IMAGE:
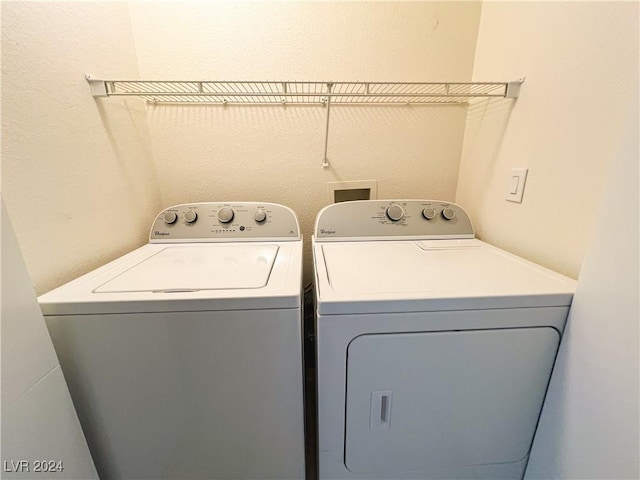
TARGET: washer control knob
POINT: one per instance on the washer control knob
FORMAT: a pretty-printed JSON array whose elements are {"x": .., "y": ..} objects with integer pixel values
[
  {"x": 190, "y": 216},
  {"x": 395, "y": 212},
  {"x": 448, "y": 213},
  {"x": 260, "y": 216},
  {"x": 429, "y": 213},
  {"x": 170, "y": 217},
  {"x": 225, "y": 214}
]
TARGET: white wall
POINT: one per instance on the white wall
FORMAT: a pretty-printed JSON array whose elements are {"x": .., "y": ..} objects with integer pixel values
[
  {"x": 38, "y": 418},
  {"x": 77, "y": 175},
  {"x": 590, "y": 423},
  {"x": 275, "y": 153},
  {"x": 580, "y": 60},
  {"x": 575, "y": 121}
]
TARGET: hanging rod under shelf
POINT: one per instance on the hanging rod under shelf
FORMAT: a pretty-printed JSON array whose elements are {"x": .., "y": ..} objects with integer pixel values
[{"x": 301, "y": 93}]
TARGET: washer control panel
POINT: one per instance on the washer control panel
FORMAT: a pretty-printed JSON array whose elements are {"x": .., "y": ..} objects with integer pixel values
[
  {"x": 219, "y": 222},
  {"x": 393, "y": 218}
]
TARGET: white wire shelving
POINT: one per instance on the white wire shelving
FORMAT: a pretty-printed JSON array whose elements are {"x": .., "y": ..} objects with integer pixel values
[
  {"x": 303, "y": 93},
  {"x": 296, "y": 93}
]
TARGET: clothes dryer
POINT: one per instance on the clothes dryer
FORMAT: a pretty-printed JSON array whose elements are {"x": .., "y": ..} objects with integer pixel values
[
  {"x": 434, "y": 349},
  {"x": 184, "y": 357}
]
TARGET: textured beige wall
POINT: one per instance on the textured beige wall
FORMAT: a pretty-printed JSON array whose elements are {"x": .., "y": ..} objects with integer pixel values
[
  {"x": 274, "y": 153},
  {"x": 82, "y": 178},
  {"x": 77, "y": 175},
  {"x": 580, "y": 60}
]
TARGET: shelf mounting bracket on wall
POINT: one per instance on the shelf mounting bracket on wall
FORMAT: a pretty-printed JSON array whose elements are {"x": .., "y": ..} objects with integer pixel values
[{"x": 304, "y": 93}]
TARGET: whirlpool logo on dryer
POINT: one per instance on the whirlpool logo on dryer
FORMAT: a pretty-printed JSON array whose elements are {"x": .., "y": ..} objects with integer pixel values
[
  {"x": 327, "y": 232},
  {"x": 161, "y": 234}
]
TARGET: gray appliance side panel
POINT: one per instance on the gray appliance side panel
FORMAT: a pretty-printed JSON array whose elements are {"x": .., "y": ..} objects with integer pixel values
[
  {"x": 420, "y": 402},
  {"x": 215, "y": 395}
]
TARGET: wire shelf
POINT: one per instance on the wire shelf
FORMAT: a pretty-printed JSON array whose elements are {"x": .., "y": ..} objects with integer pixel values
[
  {"x": 300, "y": 93},
  {"x": 304, "y": 93}
]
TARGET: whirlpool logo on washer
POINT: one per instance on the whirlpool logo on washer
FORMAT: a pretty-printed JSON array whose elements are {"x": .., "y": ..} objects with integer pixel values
[
  {"x": 327, "y": 232},
  {"x": 161, "y": 234}
]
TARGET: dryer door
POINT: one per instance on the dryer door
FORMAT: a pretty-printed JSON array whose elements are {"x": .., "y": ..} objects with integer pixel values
[{"x": 437, "y": 400}]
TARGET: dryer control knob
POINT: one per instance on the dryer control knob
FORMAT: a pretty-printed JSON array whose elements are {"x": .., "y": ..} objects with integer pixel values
[
  {"x": 190, "y": 216},
  {"x": 225, "y": 214},
  {"x": 395, "y": 212},
  {"x": 260, "y": 216},
  {"x": 448, "y": 213},
  {"x": 170, "y": 217},
  {"x": 429, "y": 213}
]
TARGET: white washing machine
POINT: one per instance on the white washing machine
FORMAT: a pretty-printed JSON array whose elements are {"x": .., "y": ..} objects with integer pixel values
[
  {"x": 184, "y": 357},
  {"x": 434, "y": 349}
]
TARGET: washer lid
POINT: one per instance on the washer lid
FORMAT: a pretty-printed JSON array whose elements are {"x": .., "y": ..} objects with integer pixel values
[
  {"x": 190, "y": 277},
  {"x": 205, "y": 267}
]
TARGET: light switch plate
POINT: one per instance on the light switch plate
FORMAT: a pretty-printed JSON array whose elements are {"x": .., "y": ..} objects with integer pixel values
[{"x": 515, "y": 184}]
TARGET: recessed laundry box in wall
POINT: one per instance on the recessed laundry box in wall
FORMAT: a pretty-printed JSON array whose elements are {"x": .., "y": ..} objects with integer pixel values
[
  {"x": 434, "y": 349},
  {"x": 184, "y": 357}
]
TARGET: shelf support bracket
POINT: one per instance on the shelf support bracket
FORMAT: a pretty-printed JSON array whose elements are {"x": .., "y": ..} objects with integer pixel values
[
  {"x": 325, "y": 160},
  {"x": 98, "y": 87},
  {"x": 513, "y": 88}
]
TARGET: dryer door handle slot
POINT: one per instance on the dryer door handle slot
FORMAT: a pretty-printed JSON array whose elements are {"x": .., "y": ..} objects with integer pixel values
[{"x": 380, "y": 417}]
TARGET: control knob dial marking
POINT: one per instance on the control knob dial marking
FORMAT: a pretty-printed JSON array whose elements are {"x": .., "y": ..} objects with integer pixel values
[
  {"x": 260, "y": 216},
  {"x": 225, "y": 214},
  {"x": 394, "y": 212},
  {"x": 429, "y": 213},
  {"x": 448, "y": 213},
  {"x": 170, "y": 217},
  {"x": 190, "y": 216}
]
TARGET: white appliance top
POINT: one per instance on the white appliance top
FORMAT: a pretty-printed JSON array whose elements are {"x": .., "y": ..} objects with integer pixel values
[
  {"x": 251, "y": 259},
  {"x": 416, "y": 259}
]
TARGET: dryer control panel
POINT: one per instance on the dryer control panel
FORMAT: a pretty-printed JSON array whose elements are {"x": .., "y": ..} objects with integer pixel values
[
  {"x": 219, "y": 222},
  {"x": 382, "y": 219}
]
